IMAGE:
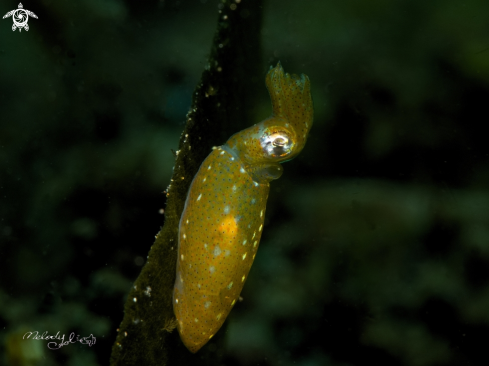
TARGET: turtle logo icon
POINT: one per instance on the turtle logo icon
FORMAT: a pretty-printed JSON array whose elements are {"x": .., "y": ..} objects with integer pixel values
[{"x": 20, "y": 17}]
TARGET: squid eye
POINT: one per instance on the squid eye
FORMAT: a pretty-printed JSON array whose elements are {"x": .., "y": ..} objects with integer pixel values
[
  {"x": 277, "y": 143},
  {"x": 280, "y": 142}
]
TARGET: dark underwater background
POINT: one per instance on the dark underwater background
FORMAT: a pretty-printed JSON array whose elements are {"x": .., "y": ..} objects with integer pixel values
[{"x": 376, "y": 240}]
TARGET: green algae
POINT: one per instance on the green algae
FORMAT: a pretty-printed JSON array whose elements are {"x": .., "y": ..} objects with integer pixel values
[{"x": 222, "y": 104}]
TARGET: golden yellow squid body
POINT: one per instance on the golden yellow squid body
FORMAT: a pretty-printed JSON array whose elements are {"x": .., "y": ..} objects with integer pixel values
[{"x": 222, "y": 221}]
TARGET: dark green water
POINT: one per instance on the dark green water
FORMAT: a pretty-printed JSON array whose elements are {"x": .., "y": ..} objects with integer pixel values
[{"x": 376, "y": 240}]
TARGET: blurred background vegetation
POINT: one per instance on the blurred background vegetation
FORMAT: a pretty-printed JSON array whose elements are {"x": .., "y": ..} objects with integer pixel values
[{"x": 376, "y": 244}]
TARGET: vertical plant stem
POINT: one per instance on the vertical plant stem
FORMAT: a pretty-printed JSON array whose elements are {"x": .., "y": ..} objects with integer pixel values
[{"x": 221, "y": 105}]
